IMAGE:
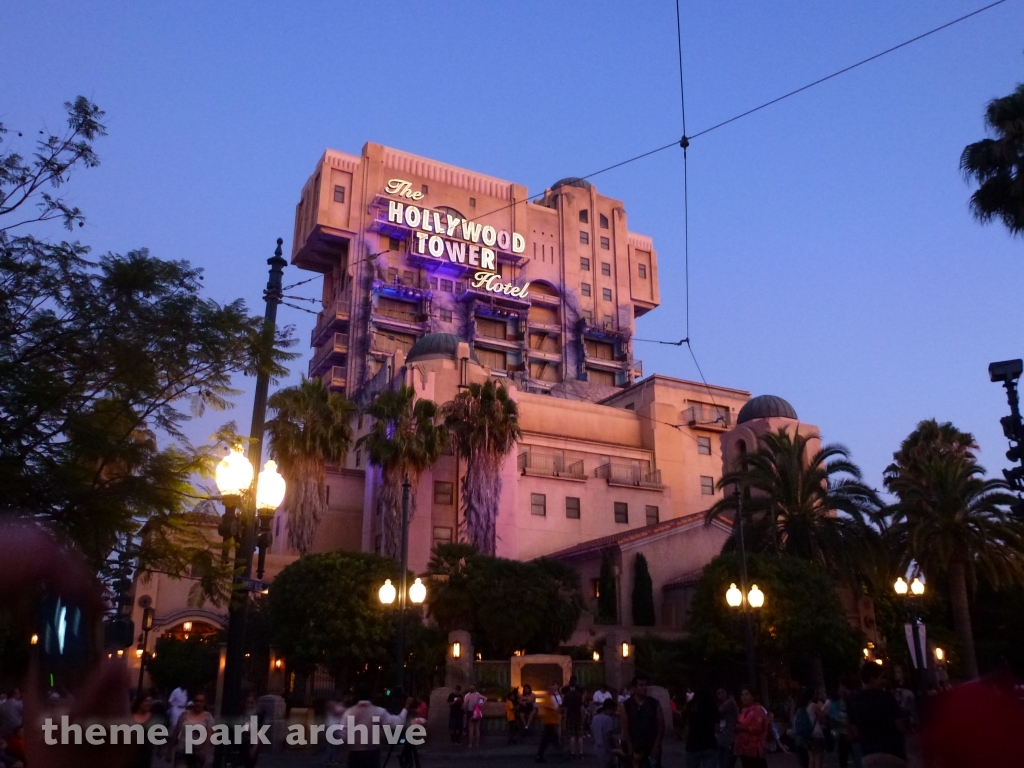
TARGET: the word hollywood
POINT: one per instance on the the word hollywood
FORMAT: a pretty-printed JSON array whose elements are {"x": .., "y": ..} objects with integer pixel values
[{"x": 249, "y": 732}]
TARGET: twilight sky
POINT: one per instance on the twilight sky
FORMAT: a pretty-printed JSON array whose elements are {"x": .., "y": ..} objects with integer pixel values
[{"x": 833, "y": 260}]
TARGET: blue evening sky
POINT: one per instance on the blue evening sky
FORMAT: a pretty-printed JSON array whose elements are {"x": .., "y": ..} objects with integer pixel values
[{"x": 833, "y": 260}]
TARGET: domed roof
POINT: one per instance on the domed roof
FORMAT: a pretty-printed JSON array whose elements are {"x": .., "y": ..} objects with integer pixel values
[
  {"x": 766, "y": 407},
  {"x": 437, "y": 346},
  {"x": 571, "y": 181}
]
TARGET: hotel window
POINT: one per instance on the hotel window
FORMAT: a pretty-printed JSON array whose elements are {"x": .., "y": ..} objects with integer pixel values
[
  {"x": 588, "y": 316},
  {"x": 584, "y": 237},
  {"x": 606, "y": 294},
  {"x": 585, "y": 289},
  {"x": 584, "y": 263},
  {"x": 339, "y": 194},
  {"x": 652, "y": 514},
  {"x": 446, "y": 286},
  {"x": 359, "y": 457},
  {"x": 394, "y": 244},
  {"x": 584, "y": 216},
  {"x": 445, "y": 315},
  {"x": 604, "y": 378},
  {"x": 621, "y": 512},
  {"x": 604, "y": 221},
  {"x": 606, "y": 243},
  {"x": 642, "y": 269},
  {"x": 442, "y": 535},
  {"x": 424, "y": 189},
  {"x": 538, "y": 504},
  {"x": 492, "y": 359},
  {"x": 392, "y": 275},
  {"x": 444, "y": 493},
  {"x": 704, "y": 446},
  {"x": 492, "y": 329},
  {"x": 460, "y": 287},
  {"x": 408, "y": 278},
  {"x": 572, "y": 507},
  {"x": 432, "y": 282},
  {"x": 472, "y": 202},
  {"x": 707, "y": 485},
  {"x": 595, "y": 588},
  {"x": 606, "y": 269}
]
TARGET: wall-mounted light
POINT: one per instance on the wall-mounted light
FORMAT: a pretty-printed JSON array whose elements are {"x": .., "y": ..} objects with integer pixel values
[
  {"x": 456, "y": 650},
  {"x": 120, "y": 653},
  {"x": 34, "y": 640},
  {"x": 277, "y": 663},
  {"x": 187, "y": 626},
  {"x": 878, "y": 662},
  {"x": 479, "y": 657},
  {"x": 940, "y": 655},
  {"x": 625, "y": 650},
  {"x": 597, "y": 656},
  {"x": 138, "y": 653}
]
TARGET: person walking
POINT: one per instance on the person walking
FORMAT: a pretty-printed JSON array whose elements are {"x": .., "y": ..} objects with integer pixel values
[
  {"x": 512, "y": 715},
  {"x": 751, "y": 731},
  {"x": 701, "y": 718},
  {"x": 527, "y": 708},
  {"x": 456, "y": 715},
  {"x": 361, "y": 719},
  {"x": 334, "y": 715},
  {"x": 573, "y": 705},
  {"x": 250, "y": 709},
  {"x": 877, "y": 722},
  {"x": 177, "y": 703},
  {"x": 602, "y": 729},
  {"x": 550, "y": 710},
  {"x": 142, "y": 714},
  {"x": 725, "y": 733},
  {"x": 644, "y": 727},
  {"x": 473, "y": 704},
  {"x": 196, "y": 716},
  {"x": 839, "y": 723}
]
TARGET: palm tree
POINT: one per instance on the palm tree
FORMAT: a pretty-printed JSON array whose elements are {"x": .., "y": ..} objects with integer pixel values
[
  {"x": 405, "y": 440},
  {"x": 958, "y": 523},
  {"x": 311, "y": 428},
  {"x": 810, "y": 505},
  {"x": 484, "y": 422},
  {"x": 998, "y": 164}
]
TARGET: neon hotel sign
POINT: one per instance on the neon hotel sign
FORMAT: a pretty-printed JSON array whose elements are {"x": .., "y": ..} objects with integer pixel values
[{"x": 443, "y": 236}]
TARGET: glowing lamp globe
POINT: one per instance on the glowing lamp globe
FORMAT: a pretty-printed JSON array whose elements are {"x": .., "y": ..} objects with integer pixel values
[
  {"x": 917, "y": 586},
  {"x": 418, "y": 592},
  {"x": 387, "y": 593},
  {"x": 734, "y": 597},
  {"x": 270, "y": 489},
  {"x": 755, "y": 597},
  {"x": 940, "y": 655},
  {"x": 900, "y": 586},
  {"x": 234, "y": 474}
]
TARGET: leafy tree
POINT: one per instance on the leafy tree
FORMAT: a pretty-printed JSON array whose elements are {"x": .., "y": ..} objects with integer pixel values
[
  {"x": 473, "y": 591},
  {"x": 643, "y": 593},
  {"x": 191, "y": 663},
  {"x": 484, "y": 422},
  {"x": 405, "y": 440},
  {"x": 997, "y": 165},
  {"x": 325, "y": 611},
  {"x": 607, "y": 605},
  {"x": 100, "y": 360},
  {"x": 957, "y": 524},
  {"x": 810, "y": 505},
  {"x": 311, "y": 428},
  {"x": 801, "y": 617}
]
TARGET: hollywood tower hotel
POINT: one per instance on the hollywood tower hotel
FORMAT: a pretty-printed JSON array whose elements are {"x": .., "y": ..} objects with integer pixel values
[{"x": 437, "y": 276}]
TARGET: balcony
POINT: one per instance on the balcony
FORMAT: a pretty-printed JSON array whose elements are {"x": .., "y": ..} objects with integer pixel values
[
  {"x": 629, "y": 475},
  {"x": 708, "y": 417},
  {"x": 334, "y": 377},
  {"x": 550, "y": 465},
  {"x": 327, "y": 318},
  {"x": 330, "y": 348},
  {"x": 638, "y": 368}
]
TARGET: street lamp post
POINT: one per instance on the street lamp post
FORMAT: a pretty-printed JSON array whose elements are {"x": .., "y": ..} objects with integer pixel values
[
  {"x": 148, "y": 616},
  {"x": 745, "y": 604},
  {"x": 417, "y": 593},
  {"x": 239, "y": 605},
  {"x": 911, "y": 593}
]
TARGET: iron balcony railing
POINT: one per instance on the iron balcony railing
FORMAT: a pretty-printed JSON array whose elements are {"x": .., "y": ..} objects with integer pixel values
[
  {"x": 708, "y": 416},
  {"x": 334, "y": 377},
  {"x": 628, "y": 474},
  {"x": 550, "y": 465},
  {"x": 336, "y": 345}
]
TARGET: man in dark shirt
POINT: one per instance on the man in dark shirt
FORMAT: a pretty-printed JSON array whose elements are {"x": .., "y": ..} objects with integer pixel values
[
  {"x": 572, "y": 704},
  {"x": 877, "y": 721},
  {"x": 645, "y": 726}
]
